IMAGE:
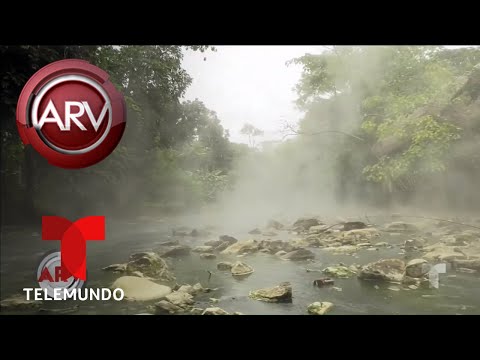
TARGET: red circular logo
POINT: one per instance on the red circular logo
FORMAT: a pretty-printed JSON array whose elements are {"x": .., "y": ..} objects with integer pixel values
[{"x": 71, "y": 114}]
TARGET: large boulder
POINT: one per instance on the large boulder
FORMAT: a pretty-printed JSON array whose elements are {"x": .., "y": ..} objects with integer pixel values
[
  {"x": 339, "y": 271},
  {"x": 319, "y": 308},
  {"x": 305, "y": 223},
  {"x": 242, "y": 247},
  {"x": 417, "y": 268},
  {"x": 151, "y": 265},
  {"x": 279, "y": 293},
  {"x": 140, "y": 289},
  {"x": 298, "y": 255},
  {"x": 383, "y": 270},
  {"x": 241, "y": 269}
]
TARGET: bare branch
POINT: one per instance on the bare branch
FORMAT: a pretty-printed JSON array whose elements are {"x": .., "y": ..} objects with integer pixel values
[{"x": 296, "y": 132}]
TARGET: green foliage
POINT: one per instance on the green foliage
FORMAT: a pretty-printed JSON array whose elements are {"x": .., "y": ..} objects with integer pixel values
[
  {"x": 395, "y": 99},
  {"x": 210, "y": 183},
  {"x": 170, "y": 152}
]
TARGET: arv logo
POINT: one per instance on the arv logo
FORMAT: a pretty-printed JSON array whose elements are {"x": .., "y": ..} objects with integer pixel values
[{"x": 71, "y": 114}]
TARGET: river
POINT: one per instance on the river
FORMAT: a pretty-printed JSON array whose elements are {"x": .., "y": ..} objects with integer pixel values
[{"x": 22, "y": 249}]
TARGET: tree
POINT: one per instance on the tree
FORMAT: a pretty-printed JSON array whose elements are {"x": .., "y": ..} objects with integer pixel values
[
  {"x": 252, "y": 132},
  {"x": 399, "y": 101},
  {"x": 153, "y": 82}
]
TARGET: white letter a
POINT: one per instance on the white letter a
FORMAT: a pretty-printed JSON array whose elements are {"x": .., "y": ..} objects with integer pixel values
[{"x": 45, "y": 119}]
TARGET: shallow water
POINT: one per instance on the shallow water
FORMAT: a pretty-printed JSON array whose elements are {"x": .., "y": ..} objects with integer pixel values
[{"x": 22, "y": 249}]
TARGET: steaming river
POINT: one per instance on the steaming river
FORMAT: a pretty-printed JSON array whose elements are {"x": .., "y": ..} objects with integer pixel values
[{"x": 22, "y": 249}]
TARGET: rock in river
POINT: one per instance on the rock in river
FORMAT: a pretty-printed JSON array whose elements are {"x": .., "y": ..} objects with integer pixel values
[
  {"x": 227, "y": 238},
  {"x": 19, "y": 302},
  {"x": 442, "y": 252},
  {"x": 224, "y": 265},
  {"x": 300, "y": 254},
  {"x": 187, "y": 288},
  {"x": 180, "y": 298},
  {"x": 467, "y": 264},
  {"x": 344, "y": 249},
  {"x": 304, "y": 224},
  {"x": 203, "y": 249},
  {"x": 214, "y": 311},
  {"x": 140, "y": 289},
  {"x": 339, "y": 271},
  {"x": 274, "y": 246},
  {"x": 166, "y": 307},
  {"x": 358, "y": 235},
  {"x": 280, "y": 253},
  {"x": 241, "y": 269},
  {"x": 208, "y": 256},
  {"x": 317, "y": 229},
  {"x": 213, "y": 243},
  {"x": 116, "y": 268},
  {"x": 319, "y": 308},
  {"x": 386, "y": 270},
  {"x": 242, "y": 247},
  {"x": 199, "y": 233},
  {"x": 353, "y": 225},
  {"x": 196, "y": 311},
  {"x": 173, "y": 251},
  {"x": 151, "y": 265},
  {"x": 226, "y": 241},
  {"x": 279, "y": 293},
  {"x": 417, "y": 268}
]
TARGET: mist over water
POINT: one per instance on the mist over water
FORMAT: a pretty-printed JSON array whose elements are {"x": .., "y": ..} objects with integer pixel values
[{"x": 378, "y": 135}]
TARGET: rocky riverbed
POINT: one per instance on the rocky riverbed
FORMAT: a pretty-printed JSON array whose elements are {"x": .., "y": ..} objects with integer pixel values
[{"x": 310, "y": 265}]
